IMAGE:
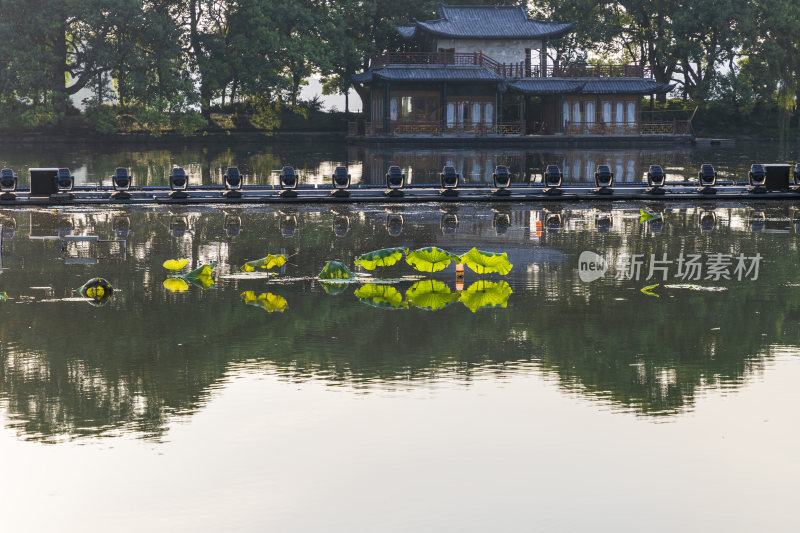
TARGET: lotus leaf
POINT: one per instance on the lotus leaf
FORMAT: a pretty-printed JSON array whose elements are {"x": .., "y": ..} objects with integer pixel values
[
  {"x": 649, "y": 290},
  {"x": 98, "y": 289},
  {"x": 3, "y": 297},
  {"x": 383, "y": 296},
  {"x": 484, "y": 294},
  {"x": 430, "y": 259},
  {"x": 430, "y": 294},
  {"x": 486, "y": 262},
  {"x": 175, "y": 264},
  {"x": 335, "y": 270},
  {"x": 265, "y": 263},
  {"x": 381, "y": 258}
]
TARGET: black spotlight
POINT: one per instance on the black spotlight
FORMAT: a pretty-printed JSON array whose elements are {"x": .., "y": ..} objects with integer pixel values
[
  {"x": 341, "y": 181},
  {"x": 707, "y": 221},
  {"x": 707, "y": 178},
  {"x": 233, "y": 226},
  {"x": 603, "y": 179},
  {"x": 178, "y": 183},
  {"x": 288, "y": 181},
  {"x": 288, "y": 226},
  {"x": 758, "y": 221},
  {"x": 450, "y": 179},
  {"x": 656, "y": 179},
  {"x": 395, "y": 181},
  {"x": 8, "y": 184},
  {"x": 394, "y": 224},
  {"x": 502, "y": 180},
  {"x": 233, "y": 183},
  {"x": 758, "y": 178},
  {"x": 552, "y": 179},
  {"x": 121, "y": 181},
  {"x": 448, "y": 223}
]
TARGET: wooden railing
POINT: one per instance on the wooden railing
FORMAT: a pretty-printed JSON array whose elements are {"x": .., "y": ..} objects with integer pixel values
[
  {"x": 675, "y": 127},
  {"x": 509, "y": 70}
]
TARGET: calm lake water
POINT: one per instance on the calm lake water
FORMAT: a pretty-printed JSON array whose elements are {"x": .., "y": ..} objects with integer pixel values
[{"x": 536, "y": 401}]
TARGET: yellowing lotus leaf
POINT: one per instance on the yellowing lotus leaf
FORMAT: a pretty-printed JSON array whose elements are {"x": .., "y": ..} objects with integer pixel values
[
  {"x": 431, "y": 259},
  {"x": 486, "y": 262},
  {"x": 265, "y": 263},
  {"x": 175, "y": 264},
  {"x": 383, "y": 296},
  {"x": 176, "y": 285},
  {"x": 381, "y": 258},
  {"x": 483, "y": 294},
  {"x": 430, "y": 294},
  {"x": 97, "y": 289}
]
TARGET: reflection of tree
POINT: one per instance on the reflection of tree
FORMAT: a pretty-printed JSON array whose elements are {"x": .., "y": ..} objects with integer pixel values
[{"x": 149, "y": 355}]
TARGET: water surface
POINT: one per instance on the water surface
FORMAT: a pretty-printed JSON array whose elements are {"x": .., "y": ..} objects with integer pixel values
[{"x": 563, "y": 404}]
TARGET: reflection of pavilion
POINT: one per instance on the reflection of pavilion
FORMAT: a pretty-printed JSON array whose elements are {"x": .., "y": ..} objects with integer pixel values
[{"x": 423, "y": 165}]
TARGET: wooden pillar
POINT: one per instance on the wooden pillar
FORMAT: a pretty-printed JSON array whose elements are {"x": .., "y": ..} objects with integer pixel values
[
  {"x": 543, "y": 58},
  {"x": 522, "y": 99},
  {"x": 499, "y": 114},
  {"x": 386, "y": 111},
  {"x": 443, "y": 107}
]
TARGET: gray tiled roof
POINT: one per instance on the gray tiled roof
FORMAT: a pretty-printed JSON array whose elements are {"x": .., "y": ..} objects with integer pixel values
[
  {"x": 589, "y": 86},
  {"x": 486, "y": 22},
  {"x": 546, "y": 86},
  {"x": 431, "y": 73}
]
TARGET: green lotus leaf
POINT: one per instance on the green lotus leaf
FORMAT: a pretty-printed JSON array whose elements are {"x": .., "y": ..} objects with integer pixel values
[
  {"x": 486, "y": 262},
  {"x": 266, "y": 301},
  {"x": 204, "y": 270},
  {"x": 383, "y": 296},
  {"x": 430, "y": 294},
  {"x": 335, "y": 270},
  {"x": 3, "y": 296},
  {"x": 204, "y": 281},
  {"x": 333, "y": 288},
  {"x": 430, "y": 259},
  {"x": 381, "y": 258},
  {"x": 484, "y": 294},
  {"x": 265, "y": 263}
]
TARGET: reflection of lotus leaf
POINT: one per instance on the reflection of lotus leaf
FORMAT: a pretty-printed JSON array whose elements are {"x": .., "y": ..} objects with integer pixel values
[
  {"x": 486, "y": 262},
  {"x": 335, "y": 270},
  {"x": 266, "y": 300},
  {"x": 204, "y": 281},
  {"x": 265, "y": 263},
  {"x": 430, "y": 259},
  {"x": 645, "y": 216},
  {"x": 97, "y": 289},
  {"x": 381, "y": 258},
  {"x": 482, "y": 294},
  {"x": 430, "y": 294},
  {"x": 383, "y": 296},
  {"x": 334, "y": 288},
  {"x": 176, "y": 285},
  {"x": 175, "y": 264}
]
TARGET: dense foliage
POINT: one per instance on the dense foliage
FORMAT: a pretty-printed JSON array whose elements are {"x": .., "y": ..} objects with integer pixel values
[{"x": 157, "y": 65}]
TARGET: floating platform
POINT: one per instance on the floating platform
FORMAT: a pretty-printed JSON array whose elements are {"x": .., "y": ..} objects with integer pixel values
[{"x": 410, "y": 194}]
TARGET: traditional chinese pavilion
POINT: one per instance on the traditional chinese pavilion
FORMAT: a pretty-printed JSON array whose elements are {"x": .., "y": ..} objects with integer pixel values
[{"x": 483, "y": 71}]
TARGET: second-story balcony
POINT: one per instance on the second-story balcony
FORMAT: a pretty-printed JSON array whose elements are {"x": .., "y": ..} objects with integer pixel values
[{"x": 511, "y": 70}]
